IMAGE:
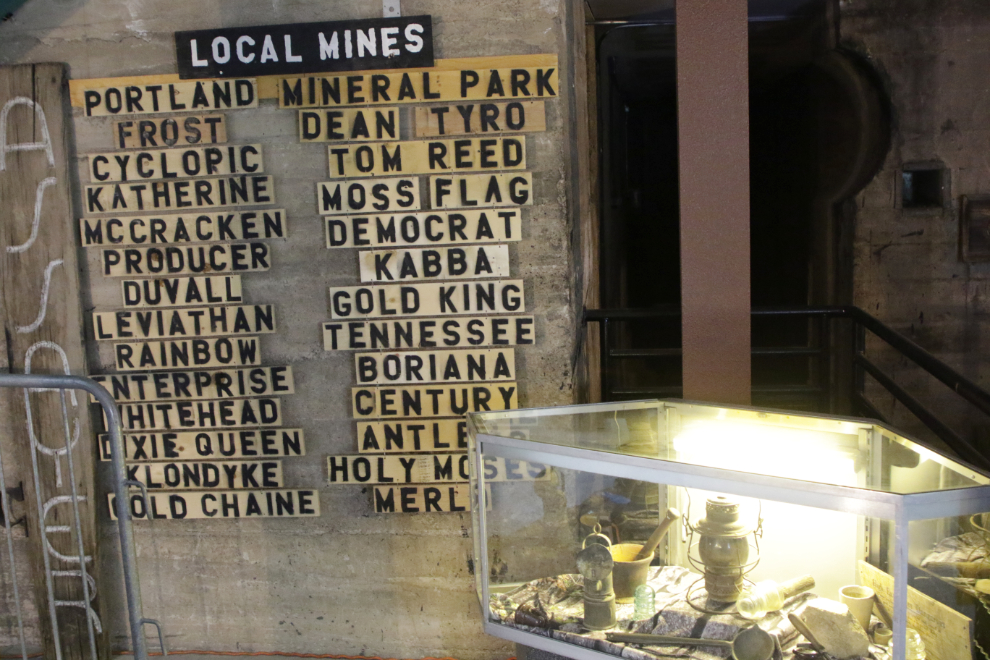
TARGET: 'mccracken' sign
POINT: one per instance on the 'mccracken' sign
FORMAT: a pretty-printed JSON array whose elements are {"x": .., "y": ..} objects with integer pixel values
[{"x": 378, "y": 43}]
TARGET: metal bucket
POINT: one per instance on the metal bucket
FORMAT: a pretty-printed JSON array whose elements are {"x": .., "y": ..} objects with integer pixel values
[{"x": 628, "y": 572}]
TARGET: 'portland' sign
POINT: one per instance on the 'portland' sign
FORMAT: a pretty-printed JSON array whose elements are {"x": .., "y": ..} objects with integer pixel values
[{"x": 375, "y": 43}]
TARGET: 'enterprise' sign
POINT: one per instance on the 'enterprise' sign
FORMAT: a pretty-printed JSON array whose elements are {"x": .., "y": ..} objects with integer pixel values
[{"x": 377, "y": 43}]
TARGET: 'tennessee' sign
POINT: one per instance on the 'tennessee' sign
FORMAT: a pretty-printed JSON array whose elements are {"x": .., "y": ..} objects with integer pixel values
[{"x": 375, "y": 43}]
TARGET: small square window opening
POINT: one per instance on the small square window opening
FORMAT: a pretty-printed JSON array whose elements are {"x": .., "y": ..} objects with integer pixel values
[{"x": 922, "y": 188}]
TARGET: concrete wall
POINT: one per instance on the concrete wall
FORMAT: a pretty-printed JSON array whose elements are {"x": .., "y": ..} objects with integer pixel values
[
  {"x": 350, "y": 581},
  {"x": 933, "y": 58}
]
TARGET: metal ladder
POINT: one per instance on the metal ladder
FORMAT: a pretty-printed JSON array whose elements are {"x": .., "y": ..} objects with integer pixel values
[{"x": 55, "y": 383}]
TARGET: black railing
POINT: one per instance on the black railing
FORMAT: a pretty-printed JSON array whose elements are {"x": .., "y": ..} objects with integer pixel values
[{"x": 833, "y": 379}]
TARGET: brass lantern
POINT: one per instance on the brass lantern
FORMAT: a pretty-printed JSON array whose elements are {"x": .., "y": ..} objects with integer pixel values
[{"x": 724, "y": 549}]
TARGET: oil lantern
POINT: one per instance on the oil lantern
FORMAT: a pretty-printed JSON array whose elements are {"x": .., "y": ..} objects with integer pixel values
[{"x": 724, "y": 549}]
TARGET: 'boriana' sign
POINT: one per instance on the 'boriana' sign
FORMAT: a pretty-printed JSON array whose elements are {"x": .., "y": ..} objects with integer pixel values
[{"x": 377, "y": 43}]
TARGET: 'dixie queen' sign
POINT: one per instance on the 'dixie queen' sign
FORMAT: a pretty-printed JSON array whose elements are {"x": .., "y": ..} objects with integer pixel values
[{"x": 378, "y": 43}]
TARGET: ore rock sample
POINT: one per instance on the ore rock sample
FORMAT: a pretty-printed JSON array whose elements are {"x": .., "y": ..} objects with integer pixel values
[{"x": 835, "y": 628}]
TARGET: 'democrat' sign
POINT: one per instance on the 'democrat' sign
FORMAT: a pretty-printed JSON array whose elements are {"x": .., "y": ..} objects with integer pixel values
[
  {"x": 222, "y": 504},
  {"x": 377, "y": 43},
  {"x": 186, "y": 445},
  {"x": 429, "y": 333},
  {"x": 424, "y": 228}
]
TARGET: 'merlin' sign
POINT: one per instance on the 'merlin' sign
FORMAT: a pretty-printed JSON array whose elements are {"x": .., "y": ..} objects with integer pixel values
[{"x": 374, "y": 43}]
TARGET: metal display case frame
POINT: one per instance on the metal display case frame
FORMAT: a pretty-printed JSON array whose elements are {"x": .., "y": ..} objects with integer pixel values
[{"x": 901, "y": 509}]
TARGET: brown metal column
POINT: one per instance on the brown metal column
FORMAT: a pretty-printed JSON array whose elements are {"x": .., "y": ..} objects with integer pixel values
[{"x": 713, "y": 134}]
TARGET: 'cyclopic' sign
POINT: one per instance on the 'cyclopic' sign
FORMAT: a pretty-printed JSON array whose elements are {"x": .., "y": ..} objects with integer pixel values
[{"x": 378, "y": 43}]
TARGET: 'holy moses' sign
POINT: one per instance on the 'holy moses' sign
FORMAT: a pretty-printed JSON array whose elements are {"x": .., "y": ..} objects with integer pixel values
[{"x": 378, "y": 43}]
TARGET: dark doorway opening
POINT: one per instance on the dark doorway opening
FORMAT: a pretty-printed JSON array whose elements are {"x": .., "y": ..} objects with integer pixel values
[{"x": 813, "y": 143}]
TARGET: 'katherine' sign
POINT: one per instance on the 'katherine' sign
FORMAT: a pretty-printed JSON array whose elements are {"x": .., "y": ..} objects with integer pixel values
[{"x": 377, "y": 43}]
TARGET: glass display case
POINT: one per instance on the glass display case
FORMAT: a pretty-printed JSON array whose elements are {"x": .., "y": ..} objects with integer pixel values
[{"x": 773, "y": 535}]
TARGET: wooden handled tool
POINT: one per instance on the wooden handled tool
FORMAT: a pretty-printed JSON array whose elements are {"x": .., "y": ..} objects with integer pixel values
[
  {"x": 658, "y": 534},
  {"x": 882, "y": 612}
]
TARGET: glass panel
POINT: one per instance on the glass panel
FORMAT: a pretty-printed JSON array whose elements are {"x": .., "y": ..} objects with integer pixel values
[
  {"x": 840, "y": 452},
  {"x": 547, "y": 576},
  {"x": 476, "y": 565},
  {"x": 948, "y": 605}
]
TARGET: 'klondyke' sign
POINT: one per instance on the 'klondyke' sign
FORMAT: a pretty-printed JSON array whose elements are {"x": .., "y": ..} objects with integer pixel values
[{"x": 377, "y": 43}]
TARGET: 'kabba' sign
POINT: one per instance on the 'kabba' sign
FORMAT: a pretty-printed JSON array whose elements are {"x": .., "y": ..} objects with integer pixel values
[{"x": 382, "y": 43}]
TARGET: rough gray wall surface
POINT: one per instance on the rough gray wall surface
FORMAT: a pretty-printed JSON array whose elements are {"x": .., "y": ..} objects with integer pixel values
[
  {"x": 933, "y": 57},
  {"x": 351, "y": 581}
]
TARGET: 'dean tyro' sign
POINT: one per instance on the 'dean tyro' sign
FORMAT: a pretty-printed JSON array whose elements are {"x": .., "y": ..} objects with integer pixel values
[{"x": 377, "y": 43}]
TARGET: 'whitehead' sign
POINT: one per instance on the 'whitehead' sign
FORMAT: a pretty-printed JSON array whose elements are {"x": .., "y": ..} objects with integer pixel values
[{"x": 376, "y": 43}]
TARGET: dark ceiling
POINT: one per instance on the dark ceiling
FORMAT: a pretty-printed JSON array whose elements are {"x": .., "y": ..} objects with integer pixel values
[{"x": 663, "y": 10}]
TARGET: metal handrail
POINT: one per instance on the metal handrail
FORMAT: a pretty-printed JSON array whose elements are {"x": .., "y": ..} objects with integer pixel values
[
  {"x": 127, "y": 549},
  {"x": 961, "y": 385},
  {"x": 863, "y": 321}
]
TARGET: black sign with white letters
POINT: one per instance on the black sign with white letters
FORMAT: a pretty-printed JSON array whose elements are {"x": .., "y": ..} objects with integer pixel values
[{"x": 376, "y": 43}]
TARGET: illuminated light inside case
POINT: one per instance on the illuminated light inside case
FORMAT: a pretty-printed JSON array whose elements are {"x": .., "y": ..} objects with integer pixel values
[
  {"x": 811, "y": 454},
  {"x": 925, "y": 453},
  {"x": 772, "y": 450}
]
